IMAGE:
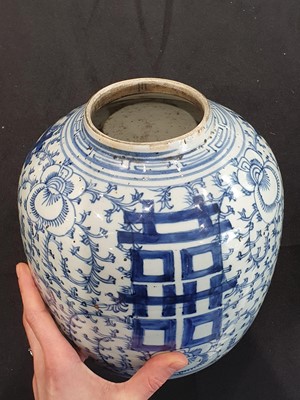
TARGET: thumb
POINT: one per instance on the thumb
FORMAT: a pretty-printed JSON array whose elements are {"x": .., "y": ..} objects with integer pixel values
[{"x": 153, "y": 375}]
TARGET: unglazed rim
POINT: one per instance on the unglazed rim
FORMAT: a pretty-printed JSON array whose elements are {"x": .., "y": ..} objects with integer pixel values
[{"x": 129, "y": 87}]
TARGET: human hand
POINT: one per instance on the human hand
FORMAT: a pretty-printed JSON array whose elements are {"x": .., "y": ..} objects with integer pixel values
[{"x": 60, "y": 372}]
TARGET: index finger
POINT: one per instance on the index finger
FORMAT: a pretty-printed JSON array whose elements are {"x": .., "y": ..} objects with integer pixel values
[{"x": 36, "y": 313}]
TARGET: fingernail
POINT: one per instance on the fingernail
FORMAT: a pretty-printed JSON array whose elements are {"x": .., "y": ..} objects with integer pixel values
[
  {"x": 18, "y": 270},
  {"x": 177, "y": 365}
]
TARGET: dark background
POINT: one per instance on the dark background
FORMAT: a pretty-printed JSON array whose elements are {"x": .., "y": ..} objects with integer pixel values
[{"x": 244, "y": 54}]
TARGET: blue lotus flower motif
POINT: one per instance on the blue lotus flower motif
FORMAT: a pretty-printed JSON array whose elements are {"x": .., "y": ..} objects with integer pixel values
[
  {"x": 261, "y": 178},
  {"x": 50, "y": 202}
]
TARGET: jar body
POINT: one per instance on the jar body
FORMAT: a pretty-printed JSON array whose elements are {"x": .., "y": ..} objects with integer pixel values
[{"x": 141, "y": 253}]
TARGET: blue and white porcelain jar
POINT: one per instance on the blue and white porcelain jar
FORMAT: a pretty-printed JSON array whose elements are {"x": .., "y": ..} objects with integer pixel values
[{"x": 149, "y": 238}]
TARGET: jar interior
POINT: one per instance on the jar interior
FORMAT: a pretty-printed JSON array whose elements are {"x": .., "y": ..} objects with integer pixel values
[{"x": 147, "y": 117}]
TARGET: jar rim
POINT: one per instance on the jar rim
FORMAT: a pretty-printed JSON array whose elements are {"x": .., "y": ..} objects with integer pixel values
[{"x": 119, "y": 90}]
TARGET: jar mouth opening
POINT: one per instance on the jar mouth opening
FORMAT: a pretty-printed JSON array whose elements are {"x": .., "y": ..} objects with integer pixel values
[{"x": 152, "y": 92}]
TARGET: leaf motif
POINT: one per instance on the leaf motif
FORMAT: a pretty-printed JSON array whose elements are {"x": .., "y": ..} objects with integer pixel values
[
  {"x": 136, "y": 196},
  {"x": 111, "y": 187}
]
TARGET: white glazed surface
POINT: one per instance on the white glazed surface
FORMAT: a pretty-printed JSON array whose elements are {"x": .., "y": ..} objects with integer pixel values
[{"x": 100, "y": 226}]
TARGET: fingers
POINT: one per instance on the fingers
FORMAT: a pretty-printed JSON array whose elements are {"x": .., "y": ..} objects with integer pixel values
[
  {"x": 153, "y": 375},
  {"x": 33, "y": 342},
  {"x": 35, "y": 348},
  {"x": 38, "y": 321},
  {"x": 35, "y": 388}
]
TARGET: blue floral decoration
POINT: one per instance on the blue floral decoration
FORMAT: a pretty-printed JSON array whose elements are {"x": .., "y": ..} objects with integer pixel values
[
  {"x": 260, "y": 178},
  {"x": 50, "y": 202}
]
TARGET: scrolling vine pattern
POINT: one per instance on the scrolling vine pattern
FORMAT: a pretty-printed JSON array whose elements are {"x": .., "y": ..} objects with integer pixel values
[{"x": 60, "y": 203}]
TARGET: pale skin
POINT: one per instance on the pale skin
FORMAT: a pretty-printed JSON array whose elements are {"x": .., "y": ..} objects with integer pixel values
[{"x": 59, "y": 370}]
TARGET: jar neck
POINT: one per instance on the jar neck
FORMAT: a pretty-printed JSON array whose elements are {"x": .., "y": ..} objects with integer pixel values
[{"x": 157, "y": 88}]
